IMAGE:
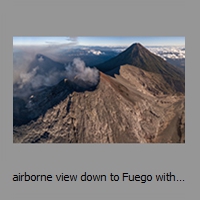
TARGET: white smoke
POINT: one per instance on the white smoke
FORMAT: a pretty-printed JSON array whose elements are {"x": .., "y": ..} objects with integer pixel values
[
  {"x": 78, "y": 71},
  {"x": 26, "y": 80}
]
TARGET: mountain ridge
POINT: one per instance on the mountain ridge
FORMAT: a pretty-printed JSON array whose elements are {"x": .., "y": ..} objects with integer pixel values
[
  {"x": 134, "y": 106},
  {"x": 140, "y": 57},
  {"x": 113, "y": 113}
]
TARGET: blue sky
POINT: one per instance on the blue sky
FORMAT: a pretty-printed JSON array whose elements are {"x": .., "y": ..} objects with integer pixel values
[{"x": 100, "y": 41}]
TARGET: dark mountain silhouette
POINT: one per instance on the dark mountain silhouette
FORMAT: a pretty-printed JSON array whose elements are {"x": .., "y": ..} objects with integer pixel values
[
  {"x": 140, "y": 57},
  {"x": 45, "y": 65},
  {"x": 40, "y": 59}
]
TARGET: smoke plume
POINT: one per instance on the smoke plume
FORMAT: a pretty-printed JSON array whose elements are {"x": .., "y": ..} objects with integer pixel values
[
  {"x": 32, "y": 71},
  {"x": 77, "y": 71}
]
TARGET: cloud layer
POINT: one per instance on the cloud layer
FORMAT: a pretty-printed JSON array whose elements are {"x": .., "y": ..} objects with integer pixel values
[{"x": 169, "y": 52}]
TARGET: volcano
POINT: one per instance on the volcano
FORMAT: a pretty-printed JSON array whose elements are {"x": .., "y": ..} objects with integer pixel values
[
  {"x": 138, "y": 56},
  {"x": 139, "y": 98}
]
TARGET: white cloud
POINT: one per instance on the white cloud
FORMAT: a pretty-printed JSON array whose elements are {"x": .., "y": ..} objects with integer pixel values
[
  {"x": 169, "y": 52},
  {"x": 95, "y": 52}
]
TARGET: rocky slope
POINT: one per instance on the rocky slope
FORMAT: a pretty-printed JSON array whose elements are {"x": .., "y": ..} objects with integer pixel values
[{"x": 130, "y": 108}]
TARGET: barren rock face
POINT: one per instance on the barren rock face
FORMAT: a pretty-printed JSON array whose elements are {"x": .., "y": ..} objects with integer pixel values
[
  {"x": 140, "y": 100},
  {"x": 131, "y": 108}
]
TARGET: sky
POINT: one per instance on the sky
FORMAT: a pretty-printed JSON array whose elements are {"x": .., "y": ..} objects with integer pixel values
[{"x": 100, "y": 41}]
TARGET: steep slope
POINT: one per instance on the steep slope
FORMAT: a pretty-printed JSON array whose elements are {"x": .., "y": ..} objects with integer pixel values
[
  {"x": 115, "y": 112},
  {"x": 30, "y": 108},
  {"x": 140, "y": 57},
  {"x": 142, "y": 101},
  {"x": 146, "y": 82}
]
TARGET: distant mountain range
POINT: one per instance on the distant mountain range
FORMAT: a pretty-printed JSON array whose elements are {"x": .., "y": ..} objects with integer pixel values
[{"x": 139, "y": 98}]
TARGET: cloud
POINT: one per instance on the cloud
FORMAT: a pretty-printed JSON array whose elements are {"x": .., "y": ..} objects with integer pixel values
[
  {"x": 169, "y": 52},
  {"x": 72, "y": 40},
  {"x": 69, "y": 41},
  {"x": 30, "y": 74},
  {"x": 95, "y": 52},
  {"x": 51, "y": 42}
]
